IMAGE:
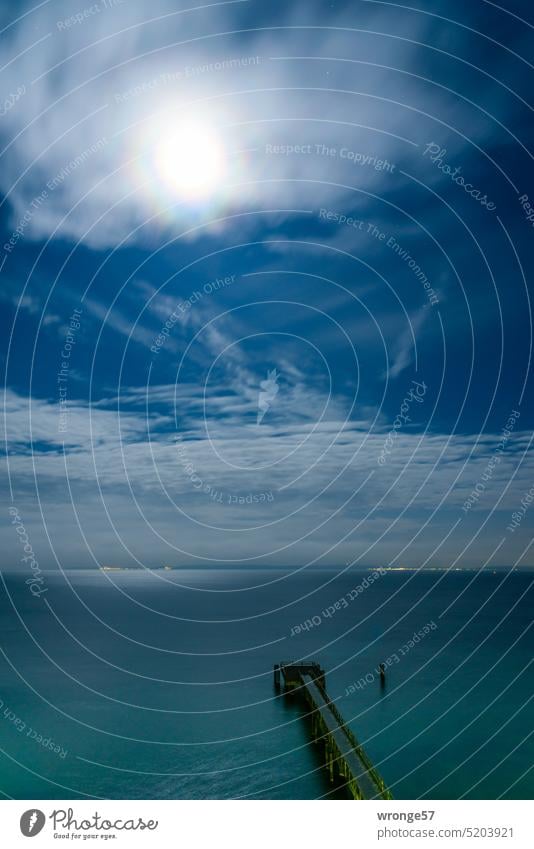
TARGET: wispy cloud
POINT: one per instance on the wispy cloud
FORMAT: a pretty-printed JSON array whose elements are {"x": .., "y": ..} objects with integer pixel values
[{"x": 404, "y": 350}]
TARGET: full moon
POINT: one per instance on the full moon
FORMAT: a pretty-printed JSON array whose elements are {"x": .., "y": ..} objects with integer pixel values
[{"x": 190, "y": 160}]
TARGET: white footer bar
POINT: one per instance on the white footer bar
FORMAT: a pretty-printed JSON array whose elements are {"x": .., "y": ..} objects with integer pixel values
[{"x": 268, "y": 824}]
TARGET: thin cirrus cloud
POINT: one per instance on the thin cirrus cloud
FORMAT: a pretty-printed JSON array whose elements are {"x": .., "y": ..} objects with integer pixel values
[{"x": 109, "y": 459}]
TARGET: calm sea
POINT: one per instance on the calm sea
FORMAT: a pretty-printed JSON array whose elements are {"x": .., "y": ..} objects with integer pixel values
[{"x": 159, "y": 685}]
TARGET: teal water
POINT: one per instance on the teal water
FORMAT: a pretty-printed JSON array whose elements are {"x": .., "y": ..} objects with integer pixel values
[{"x": 160, "y": 685}]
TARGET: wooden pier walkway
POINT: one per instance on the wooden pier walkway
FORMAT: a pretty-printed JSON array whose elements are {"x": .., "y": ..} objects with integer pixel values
[{"x": 344, "y": 758}]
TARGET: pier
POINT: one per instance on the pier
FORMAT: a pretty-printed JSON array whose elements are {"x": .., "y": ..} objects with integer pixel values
[{"x": 344, "y": 758}]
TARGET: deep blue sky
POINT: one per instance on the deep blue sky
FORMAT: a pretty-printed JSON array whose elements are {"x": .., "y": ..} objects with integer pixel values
[{"x": 159, "y": 458}]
